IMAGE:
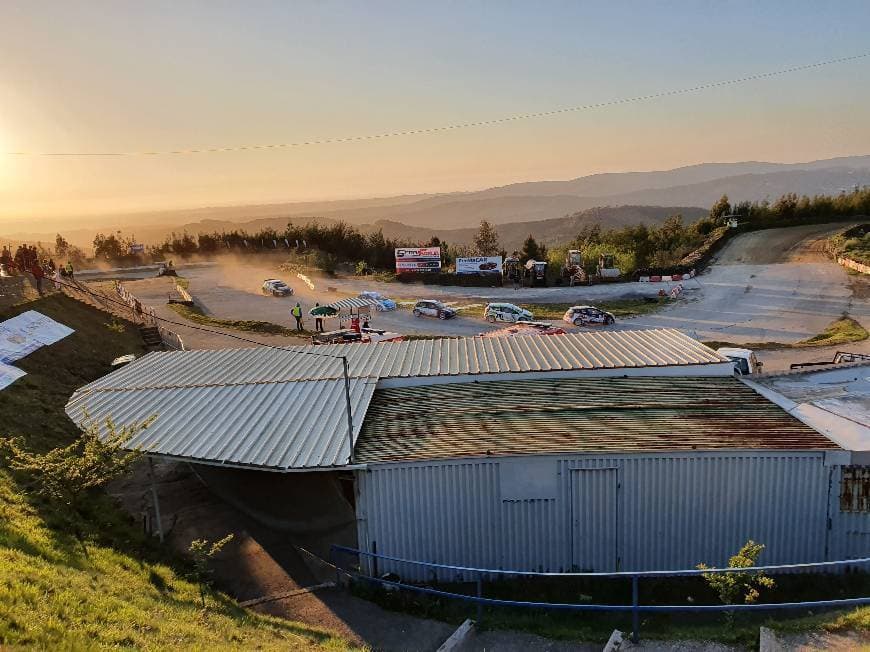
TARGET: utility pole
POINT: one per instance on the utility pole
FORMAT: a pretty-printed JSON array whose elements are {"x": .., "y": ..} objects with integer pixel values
[{"x": 349, "y": 412}]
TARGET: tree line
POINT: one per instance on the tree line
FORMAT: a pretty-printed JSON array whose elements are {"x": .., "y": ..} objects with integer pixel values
[{"x": 635, "y": 247}]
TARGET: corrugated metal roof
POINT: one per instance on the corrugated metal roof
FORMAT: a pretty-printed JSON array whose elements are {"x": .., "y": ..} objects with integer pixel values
[
  {"x": 441, "y": 357},
  {"x": 576, "y": 415},
  {"x": 290, "y": 425}
]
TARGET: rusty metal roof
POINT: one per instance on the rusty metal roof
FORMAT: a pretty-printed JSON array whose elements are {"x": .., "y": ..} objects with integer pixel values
[
  {"x": 442, "y": 357},
  {"x": 576, "y": 415}
]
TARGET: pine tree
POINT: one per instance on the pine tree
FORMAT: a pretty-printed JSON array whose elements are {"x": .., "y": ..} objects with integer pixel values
[{"x": 486, "y": 240}]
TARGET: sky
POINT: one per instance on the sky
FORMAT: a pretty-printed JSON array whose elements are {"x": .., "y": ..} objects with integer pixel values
[{"x": 114, "y": 76}]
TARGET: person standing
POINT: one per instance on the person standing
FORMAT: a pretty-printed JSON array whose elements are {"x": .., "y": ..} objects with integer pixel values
[
  {"x": 38, "y": 275},
  {"x": 296, "y": 311},
  {"x": 69, "y": 269},
  {"x": 318, "y": 320}
]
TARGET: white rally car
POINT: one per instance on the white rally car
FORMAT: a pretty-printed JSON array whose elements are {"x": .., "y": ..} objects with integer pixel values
[{"x": 586, "y": 315}]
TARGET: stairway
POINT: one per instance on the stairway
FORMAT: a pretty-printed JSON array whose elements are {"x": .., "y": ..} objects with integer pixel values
[{"x": 151, "y": 336}]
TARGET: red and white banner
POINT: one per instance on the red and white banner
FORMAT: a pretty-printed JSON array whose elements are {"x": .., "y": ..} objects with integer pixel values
[{"x": 424, "y": 259}]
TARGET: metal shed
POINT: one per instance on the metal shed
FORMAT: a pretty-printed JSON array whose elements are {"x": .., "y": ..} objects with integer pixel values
[{"x": 597, "y": 474}]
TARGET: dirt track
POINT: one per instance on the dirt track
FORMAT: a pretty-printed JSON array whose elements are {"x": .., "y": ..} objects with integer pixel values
[{"x": 773, "y": 285}]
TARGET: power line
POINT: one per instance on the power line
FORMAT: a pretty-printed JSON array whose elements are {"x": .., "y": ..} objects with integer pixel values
[{"x": 461, "y": 125}]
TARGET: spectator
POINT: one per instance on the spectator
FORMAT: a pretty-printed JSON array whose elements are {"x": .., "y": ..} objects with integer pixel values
[
  {"x": 69, "y": 269},
  {"x": 318, "y": 321},
  {"x": 296, "y": 311},
  {"x": 38, "y": 275}
]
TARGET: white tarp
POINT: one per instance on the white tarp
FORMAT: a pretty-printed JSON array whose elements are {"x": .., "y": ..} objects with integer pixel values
[
  {"x": 27, "y": 332},
  {"x": 479, "y": 265},
  {"x": 9, "y": 374}
]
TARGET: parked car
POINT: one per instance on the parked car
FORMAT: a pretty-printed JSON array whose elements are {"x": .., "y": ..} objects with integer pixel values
[
  {"x": 431, "y": 308},
  {"x": 276, "y": 288},
  {"x": 506, "y": 312},
  {"x": 585, "y": 315},
  {"x": 383, "y": 303}
]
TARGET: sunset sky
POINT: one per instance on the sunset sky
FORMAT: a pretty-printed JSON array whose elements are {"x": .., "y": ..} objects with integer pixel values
[{"x": 142, "y": 76}]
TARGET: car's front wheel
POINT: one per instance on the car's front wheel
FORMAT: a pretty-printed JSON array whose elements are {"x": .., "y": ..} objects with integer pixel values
[
  {"x": 442, "y": 315},
  {"x": 609, "y": 321},
  {"x": 490, "y": 319},
  {"x": 578, "y": 321}
]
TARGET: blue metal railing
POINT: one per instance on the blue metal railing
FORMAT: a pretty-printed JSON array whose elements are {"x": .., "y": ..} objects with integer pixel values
[{"x": 635, "y": 607}]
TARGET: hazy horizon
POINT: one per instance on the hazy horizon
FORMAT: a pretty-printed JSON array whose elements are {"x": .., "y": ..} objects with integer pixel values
[{"x": 129, "y": 77}]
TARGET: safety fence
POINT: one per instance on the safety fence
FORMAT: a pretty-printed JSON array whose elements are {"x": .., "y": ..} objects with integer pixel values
[
  {"x": 136, "y": 311},
  {"x": 367, "y": 566}
]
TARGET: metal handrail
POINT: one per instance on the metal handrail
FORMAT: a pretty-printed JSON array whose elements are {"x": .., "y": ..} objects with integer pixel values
[
  {"x": 627, "y": 574},
  {"x": 635, "y": 607}
]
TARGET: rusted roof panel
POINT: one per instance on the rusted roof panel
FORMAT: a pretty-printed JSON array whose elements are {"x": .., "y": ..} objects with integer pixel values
[{"x": 576, "y": 415}]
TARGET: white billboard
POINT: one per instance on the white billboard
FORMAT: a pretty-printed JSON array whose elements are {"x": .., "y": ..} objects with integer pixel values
[
  {"x": 422, "y": 259},
  {"x": 479, "y": 265}
]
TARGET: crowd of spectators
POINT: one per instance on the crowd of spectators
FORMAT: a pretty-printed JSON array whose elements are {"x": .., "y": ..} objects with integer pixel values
[{"x": 26, "y": 260}]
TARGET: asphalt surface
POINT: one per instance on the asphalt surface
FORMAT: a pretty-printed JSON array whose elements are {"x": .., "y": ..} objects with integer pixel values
[{"x": 775, "y": 285}]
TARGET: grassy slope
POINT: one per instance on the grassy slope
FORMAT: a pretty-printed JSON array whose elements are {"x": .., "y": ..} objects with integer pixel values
[
  {"x": 128, "y": 592},
  {"x": 197, "y": 316},
  {"x": 841, "y": 331}
]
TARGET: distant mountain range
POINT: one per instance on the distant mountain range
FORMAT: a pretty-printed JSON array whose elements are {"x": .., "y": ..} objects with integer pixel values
[{"x": 556, "y": 207}]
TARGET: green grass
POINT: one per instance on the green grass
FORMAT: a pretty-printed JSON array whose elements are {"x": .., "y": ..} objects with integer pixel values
[
  {"x": 841, "y": 331},
  {"x": 844, "y": 330},
  {"x": 128, "y": 592},
  {"x": 197, "y": 316}
]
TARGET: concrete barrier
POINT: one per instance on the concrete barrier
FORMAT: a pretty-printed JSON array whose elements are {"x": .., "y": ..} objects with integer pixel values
[{"x": 457, "y": 638}]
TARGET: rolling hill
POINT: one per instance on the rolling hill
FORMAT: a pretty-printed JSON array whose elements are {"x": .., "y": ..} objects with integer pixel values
[{"x": 695, "y": 185}]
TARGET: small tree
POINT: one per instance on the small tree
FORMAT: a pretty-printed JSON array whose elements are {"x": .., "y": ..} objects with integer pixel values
[
  {"x": 531, "y": 250},
  {"x": 486, "y": 240},
  {"x": 202, "y": 551},
  {"x": 720, "y": 209},
  {"x": 732, "y": 587},
  {"x": 65, "y": 475}
]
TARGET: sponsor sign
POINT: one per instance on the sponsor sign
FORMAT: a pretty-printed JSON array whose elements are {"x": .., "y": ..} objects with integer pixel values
[
  {"x": 424, "y": 259},
  {"x": 137, "y": 249},
  {"x": 479, "y": 265}
]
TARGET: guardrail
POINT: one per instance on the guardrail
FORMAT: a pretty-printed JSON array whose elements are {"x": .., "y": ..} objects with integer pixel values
[{"x": 636, "y": 608}]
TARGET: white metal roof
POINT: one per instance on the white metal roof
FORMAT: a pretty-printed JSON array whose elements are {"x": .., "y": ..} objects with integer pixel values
[
  {"x": 285, "y": 408},
  {"x": 834, "y": 400},
  {"x": 279, "y": 425},
  {"x": 442, "y": 357}
]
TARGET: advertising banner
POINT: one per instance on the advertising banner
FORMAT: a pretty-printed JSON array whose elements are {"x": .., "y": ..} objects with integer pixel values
[
  {"x": 137, "y": 249},
  {"x": 425, "y": 259},
  {"x": 479, "y": 265}
]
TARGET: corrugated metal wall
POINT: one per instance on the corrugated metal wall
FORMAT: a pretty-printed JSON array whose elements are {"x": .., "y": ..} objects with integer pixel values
[
  {"x": 672, "y": 510},
  {"x": 850, "y": 531}
]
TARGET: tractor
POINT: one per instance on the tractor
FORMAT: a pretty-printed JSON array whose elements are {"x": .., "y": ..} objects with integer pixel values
[{"x": 573, "y": 270}]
